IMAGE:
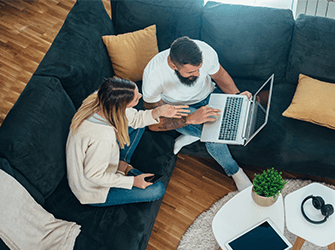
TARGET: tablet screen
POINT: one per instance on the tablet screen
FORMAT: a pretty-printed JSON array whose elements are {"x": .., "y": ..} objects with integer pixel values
[{"x": 261, "y": 237}]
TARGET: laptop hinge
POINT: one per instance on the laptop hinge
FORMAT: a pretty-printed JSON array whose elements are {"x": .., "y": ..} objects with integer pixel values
[{"x": 249, "y": 114}]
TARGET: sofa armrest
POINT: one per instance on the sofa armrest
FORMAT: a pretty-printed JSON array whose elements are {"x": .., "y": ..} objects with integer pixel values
[
  {"x": 78, "y": 56},
  {"x": 34, "y": 133},
  {"x": 5, "y": 166}
]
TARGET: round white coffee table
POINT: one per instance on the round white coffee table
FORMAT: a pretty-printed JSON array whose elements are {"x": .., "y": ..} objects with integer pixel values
[
  {"x": 241, "y": 213},
  {"x": 319, "y": 234}
]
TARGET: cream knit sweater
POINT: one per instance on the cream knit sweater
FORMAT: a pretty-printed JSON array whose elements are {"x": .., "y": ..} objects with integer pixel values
[{"x": 92, "y": 154}]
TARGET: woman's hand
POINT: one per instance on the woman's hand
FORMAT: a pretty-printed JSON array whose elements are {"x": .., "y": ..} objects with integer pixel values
[
  {"x": 140, "y": 182},
  {"x": 170, "y": 111}
]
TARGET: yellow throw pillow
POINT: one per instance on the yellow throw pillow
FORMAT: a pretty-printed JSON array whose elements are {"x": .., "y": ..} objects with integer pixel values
[
  {"x": 314, "y": 102},
  {"x": 131, "y": 52}
]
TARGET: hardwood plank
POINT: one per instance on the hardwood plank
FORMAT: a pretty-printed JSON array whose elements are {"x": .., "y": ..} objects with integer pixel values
[{"x": 191, "y": 191}]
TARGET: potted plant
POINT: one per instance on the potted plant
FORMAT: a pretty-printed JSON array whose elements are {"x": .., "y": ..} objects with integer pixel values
[{"x": 267, "y": 186}]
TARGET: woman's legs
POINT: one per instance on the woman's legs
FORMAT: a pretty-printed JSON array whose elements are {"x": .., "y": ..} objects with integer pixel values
[
  {"x": 126, "y": 153},
  {"x": 119, "y": 196},
  {"x": 135, "y": 137}
]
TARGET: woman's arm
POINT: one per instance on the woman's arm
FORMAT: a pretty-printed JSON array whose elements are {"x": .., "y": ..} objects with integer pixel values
[{"x": 100, "y": 165}]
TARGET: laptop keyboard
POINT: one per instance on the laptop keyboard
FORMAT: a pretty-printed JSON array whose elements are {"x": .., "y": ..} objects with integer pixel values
[{"x": 230, "y": 119}]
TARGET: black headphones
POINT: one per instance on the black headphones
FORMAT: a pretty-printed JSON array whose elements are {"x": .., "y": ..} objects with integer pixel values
[{"x": 326, "y": 209}]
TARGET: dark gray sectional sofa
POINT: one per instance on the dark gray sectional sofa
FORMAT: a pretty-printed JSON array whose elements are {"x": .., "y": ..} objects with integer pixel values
[{"x": 252, "y": 43}]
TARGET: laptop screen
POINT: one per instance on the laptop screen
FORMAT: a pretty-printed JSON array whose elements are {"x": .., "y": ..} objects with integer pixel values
[{"x": 261, "y": 107}]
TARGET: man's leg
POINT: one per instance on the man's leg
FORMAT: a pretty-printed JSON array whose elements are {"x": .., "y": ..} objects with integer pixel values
[{"x": 220, "y": 153}]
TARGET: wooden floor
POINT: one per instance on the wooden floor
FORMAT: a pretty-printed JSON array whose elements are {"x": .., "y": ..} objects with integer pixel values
[{"x": 27, "y": 29}]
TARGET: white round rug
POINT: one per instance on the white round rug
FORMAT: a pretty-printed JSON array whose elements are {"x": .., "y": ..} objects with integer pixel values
[{"x": 200, "y": 236}]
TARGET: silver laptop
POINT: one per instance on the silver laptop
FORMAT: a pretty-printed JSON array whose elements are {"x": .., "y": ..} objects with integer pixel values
[{"x": 240, "y": 118}]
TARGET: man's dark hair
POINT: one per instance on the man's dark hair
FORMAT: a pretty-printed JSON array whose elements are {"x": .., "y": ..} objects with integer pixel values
[{"x": 185, "y": 51}]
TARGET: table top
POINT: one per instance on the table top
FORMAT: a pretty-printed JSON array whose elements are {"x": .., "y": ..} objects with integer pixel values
[
  {"x": 241, "y": 213},
  {"x": 319, "y": 234}
]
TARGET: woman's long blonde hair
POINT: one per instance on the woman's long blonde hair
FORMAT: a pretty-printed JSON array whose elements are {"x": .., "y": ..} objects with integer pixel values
[{"x": 112, "y": 98}]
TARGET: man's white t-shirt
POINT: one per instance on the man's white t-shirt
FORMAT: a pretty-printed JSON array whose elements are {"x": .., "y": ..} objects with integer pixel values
[{"x": 160, "y": 81}]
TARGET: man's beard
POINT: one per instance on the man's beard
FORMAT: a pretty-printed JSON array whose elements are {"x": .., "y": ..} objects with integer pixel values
[{"x": 188, "y": 81}]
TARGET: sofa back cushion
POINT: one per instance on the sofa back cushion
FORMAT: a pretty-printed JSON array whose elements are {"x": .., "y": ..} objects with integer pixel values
[
  {"x": 312, "y": 52},
  {"x": 78, "y": 56},
  {"x": 34, "y": 133},
  {"x": 172, "y": 18},
  {"x": 252, "y": 42}
]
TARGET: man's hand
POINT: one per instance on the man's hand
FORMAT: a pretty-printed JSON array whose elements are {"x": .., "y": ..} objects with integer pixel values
[
  {"x": 247, "y": 93},
  {"x": 202, "y": 115}
]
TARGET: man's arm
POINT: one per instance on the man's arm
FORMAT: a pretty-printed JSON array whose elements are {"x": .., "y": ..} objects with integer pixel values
[
  {"x": 226, "y": 83},
  {"x": 202, "y": 115}
]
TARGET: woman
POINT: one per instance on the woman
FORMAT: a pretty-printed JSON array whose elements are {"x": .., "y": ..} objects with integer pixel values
[{"x": 98, "y": 171}]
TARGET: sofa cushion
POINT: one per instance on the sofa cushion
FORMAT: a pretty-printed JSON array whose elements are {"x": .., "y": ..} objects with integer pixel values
[
  {"x": 130, "y": 52},
  {"x": 252, "y": 42},
  {"x": 172, "y": 18},
  {"x": 313, "y": 49},
  {"x": 78, "y": 57},
  {"x": 313, "y": 102},
  {"x": 289, "y": 144},
  {"x": 34, "y": 133}
]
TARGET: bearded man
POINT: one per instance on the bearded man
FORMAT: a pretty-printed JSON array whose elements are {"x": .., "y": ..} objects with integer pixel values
[{"x": 183, "y": 75}]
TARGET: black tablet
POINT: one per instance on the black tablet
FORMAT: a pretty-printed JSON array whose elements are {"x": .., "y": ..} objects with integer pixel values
[
  {"x": 153, "y": 178},
  {"x": 262, "y": 236}
]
